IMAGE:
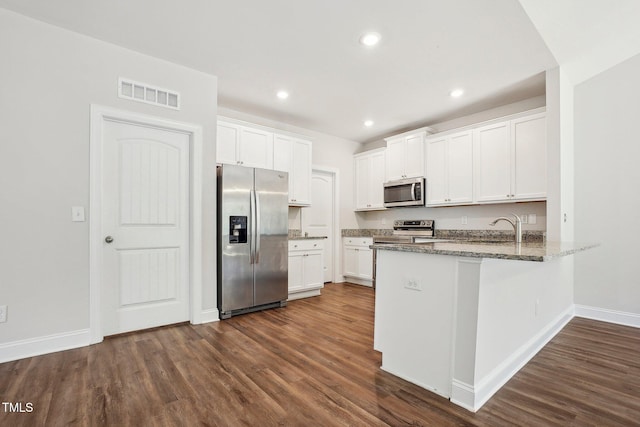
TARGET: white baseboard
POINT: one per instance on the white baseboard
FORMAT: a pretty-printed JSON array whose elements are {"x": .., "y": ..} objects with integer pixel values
[
  {"x": 472, "y": 397},
  {"x": 304, "y": 294},
  {"x": 42, "y": 345},
  {"x": 210, "y": 315},
  {"x": 606, "y": 315},
  {"x": 361, "y": 282}
]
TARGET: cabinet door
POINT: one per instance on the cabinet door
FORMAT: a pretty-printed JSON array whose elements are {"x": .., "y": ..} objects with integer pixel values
[
  {"x": 493, "y": 163},
  {"x": 529, "y": 136},
  {"x": 437, "y": 171},
  {"x": 300, "y": 175},
  {"x": 365, "y": 263},
  {"x": 282, "y": 154},
  {"x": 296, "y": 271},
  {"x": 350, "y": 261},
  {"x": 227, "y": 143},
  {"x": 395, "y": 159},
  {"x": 414, "y": 155},
  {"x": 460, "y": 168},
  {"x": 313, "y": 269},
  {"x": 362, "y": 182},
  {"x": 376, "y": 180},
  {"x": 256, "y": 148}
]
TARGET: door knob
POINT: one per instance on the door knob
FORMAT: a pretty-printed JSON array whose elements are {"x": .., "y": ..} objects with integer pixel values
[{"x": 108, "y": 239}]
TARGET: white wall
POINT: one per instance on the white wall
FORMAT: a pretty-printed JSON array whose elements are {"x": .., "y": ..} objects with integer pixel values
[
  {"x": 329, "y": 151},
  {"x": 607, "y": 201},
  {"x": 48, "y": 79}
]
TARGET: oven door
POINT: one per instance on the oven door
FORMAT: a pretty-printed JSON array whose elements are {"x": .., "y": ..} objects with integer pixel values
[{"x": 406, "y": 192}]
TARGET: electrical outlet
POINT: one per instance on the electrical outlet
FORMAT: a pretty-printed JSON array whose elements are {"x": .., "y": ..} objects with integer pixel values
[
  {"x": 465, "y": 220},
  {"x": 3, "y": 313},
  {"x": 524, "y": 218},
  {"x": 413, "y": 285},
  {"x": 532, "y": 218}
]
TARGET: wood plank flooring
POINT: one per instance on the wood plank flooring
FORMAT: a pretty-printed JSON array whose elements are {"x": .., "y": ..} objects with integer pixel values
[{"x": 311, "y": 364}]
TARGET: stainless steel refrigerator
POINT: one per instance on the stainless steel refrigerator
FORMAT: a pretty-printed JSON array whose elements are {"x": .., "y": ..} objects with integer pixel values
[{"x": 253, "y": 217}]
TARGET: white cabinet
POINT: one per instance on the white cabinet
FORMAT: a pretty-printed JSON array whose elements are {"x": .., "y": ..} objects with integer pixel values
[
  {"x": 529, "y": 136},
  {"x": 510, "y": 160},
  {"x": 450, "y": 169},
  {"x": 405, "y": 156},
  {"x": 358, "y": 259},
  {"x": 243, "y": 145},
  {"x": 369, "y": 174},
  {"x": 306, "y": 268},
  {"x": 293, "y": 155}
]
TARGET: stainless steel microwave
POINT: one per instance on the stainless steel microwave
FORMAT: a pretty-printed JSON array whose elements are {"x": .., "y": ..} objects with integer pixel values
[{"x": 404, "y": 192}]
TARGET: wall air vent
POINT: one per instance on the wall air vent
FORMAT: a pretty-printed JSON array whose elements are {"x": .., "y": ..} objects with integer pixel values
[{"x": 142, "y": 92}]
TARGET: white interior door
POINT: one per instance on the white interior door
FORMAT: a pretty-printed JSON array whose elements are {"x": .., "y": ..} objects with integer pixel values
[
  {"x": 145, "y": 225},
  {"x": 317, "y": 220}
]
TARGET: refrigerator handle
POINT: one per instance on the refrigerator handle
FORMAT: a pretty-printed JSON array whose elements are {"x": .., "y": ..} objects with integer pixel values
[
  {"x": 257, "y": 229},
  {"x": 252, "y": 225}
]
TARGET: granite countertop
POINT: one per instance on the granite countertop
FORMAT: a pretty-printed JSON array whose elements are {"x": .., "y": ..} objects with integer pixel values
[
  {"x": 306, "y": 237},
  {"x": 533, "y": 251}
]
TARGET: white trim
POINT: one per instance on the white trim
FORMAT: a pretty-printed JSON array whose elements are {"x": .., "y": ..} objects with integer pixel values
[
  {"x": 610, "y": 316},
  {"x": 358, "y": 281},
  {"x": 463, "y": 394},
  {"x": 473, "y": 397},
  {"x": 413, "y": 381},
  {"x": 100, "y": 114},
  {"x": 209, "y": 315},
  {"x": 42, "y": 345},
  {"x": 337, "y": 239},
  {"x": 305, "y": 294}
]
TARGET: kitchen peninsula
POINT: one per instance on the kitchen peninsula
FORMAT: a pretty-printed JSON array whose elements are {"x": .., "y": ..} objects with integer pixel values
[{"x": 460, "y": 318}]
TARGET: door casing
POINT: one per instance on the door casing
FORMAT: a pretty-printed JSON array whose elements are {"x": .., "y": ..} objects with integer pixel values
[{"x": 100, "y": 114}]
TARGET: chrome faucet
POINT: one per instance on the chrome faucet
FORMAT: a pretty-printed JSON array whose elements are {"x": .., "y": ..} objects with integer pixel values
[{"x": 517, "y": 225}]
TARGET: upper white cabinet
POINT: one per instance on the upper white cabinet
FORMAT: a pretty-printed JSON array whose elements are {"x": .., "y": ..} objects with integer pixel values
[
  {"x": 293, "y": 155},
  {"x": 369, "y": 174},
  {"x": 510, "y": 160},
  {"x": 243, "y": 145},
  {"x": 449, "y": 174},
  {"x": 405, "y": 155},
  {"x": 255, "y": 146}
]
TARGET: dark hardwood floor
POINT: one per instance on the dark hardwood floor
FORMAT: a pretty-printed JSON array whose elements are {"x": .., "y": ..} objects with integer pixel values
[{"x": 311, "y": 364}]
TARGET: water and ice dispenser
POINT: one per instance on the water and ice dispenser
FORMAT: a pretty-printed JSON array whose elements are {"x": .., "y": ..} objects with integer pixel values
[{"x": 237, "y": 229}]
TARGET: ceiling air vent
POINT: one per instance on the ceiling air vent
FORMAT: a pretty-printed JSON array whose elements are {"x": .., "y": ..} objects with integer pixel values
[{"x": 142, "y": 92}]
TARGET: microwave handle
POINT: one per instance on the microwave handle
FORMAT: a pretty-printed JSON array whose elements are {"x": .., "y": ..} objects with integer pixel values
[{"x": 413, "y": 191}]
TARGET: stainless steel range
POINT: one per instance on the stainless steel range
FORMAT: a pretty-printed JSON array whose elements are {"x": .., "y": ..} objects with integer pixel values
[{"x": 406, "y": 231}]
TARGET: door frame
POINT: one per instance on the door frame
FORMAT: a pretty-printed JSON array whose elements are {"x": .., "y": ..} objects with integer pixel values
[
  {"x": 337, "y": 237},
  {"x": 100, "y": 115}
]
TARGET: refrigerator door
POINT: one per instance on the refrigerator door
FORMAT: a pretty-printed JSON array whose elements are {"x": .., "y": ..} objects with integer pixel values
[
  {"x": 235, "y": 269},
  {"x": 271, "y": 244}
]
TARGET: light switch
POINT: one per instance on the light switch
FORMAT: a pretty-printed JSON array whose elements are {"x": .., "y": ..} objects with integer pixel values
[
  {"x": 532, "y": 218},
  {"x": 77, "y": 213}
]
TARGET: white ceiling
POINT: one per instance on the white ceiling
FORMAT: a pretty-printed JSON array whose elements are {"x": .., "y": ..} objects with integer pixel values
[{"x": 310, "y": 48}]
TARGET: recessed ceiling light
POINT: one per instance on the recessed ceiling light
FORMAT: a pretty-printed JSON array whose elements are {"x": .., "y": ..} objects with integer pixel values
[
  {"x": 456, "y": 93},
  {"x": 370, "y": 39},
  {"x": 368, "y": 123},
  {"x": 282, "y": 94}
]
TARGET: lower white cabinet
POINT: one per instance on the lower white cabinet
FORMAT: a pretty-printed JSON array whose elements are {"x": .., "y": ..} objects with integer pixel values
[
  {"x": 358, "y": 259},
  {"x": 306, "y": 268}
]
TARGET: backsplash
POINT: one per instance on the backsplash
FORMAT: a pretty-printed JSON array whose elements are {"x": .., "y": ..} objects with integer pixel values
[
  {"x": 293, "y": 233},
  {"x": 501, "y": 235}
]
